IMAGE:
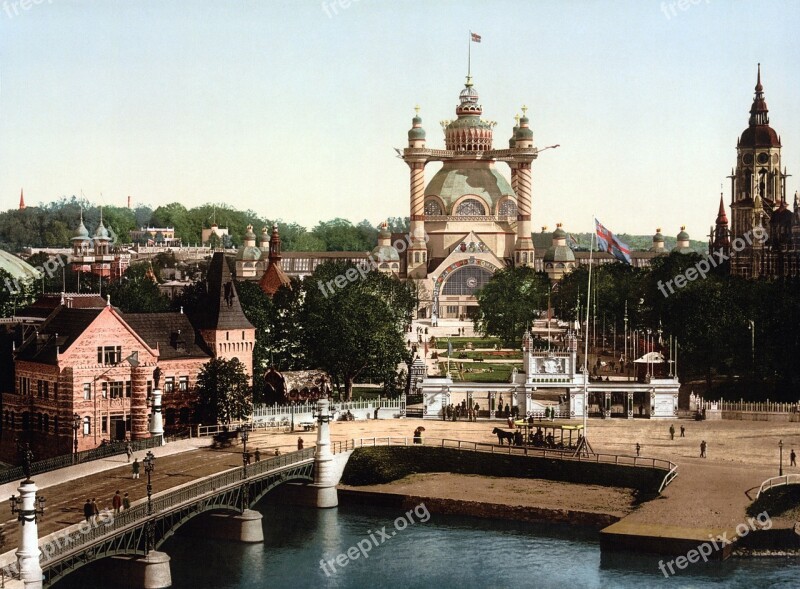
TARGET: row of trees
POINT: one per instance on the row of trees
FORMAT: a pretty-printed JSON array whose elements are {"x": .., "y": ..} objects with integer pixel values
[
  {"x": 739, "y": 336},
  {"x": 354, "y": 333},
  {"x": 54, "y": 224}
]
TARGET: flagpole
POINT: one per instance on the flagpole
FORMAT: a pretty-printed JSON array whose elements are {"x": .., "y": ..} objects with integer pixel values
[
  {"x": 469, "y": 54},
  {"x": 586, "y": 339}
]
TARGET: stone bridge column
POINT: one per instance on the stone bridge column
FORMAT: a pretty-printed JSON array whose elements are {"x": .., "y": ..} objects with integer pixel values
[
  {"x": 156, "y": 420},
  {"x": 139, "y": 429},
  {"x": 325, "y": 473},
  {"x": 28, "y": 554}
]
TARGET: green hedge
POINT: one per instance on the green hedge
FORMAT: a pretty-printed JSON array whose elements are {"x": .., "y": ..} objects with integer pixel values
[{"x": 373, "y": 466}]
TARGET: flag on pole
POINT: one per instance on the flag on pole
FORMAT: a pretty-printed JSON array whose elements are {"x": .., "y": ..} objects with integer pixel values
[
  {"x": 608, "y": 242},
  {"x": 573, "y": 243},
  {"x": 476, "y": 38}
]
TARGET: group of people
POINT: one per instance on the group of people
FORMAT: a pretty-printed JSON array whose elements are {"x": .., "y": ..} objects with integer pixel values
[
  {"x": 91, "y": 510},
  {"x": 460, "y": 411}
]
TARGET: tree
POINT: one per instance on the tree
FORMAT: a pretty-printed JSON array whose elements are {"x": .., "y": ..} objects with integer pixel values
[
  {"x": 223, "y": 392},
  {"x": 136, "y": 292},
  {"x": 14, "y": 294},
  {"x": 355, "y": 330},
  {"x": 509, "y": 303}
]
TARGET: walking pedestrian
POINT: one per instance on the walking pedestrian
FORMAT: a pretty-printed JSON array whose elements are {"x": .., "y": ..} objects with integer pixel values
[
  {"x": 126, "y": 502},
  {"x": 299, "y": 443},
  {"x": 95, "y": 510},
  {"x": 703, "y": 449},
  {"x": 277, "y": 451},
  {"x": 116, "y": 502},
  {"x": 638, "y": 449},
  {"x": 672, "y": 432},
  {"x": 129, "y": 451},
  {"x": 792, "y": 458},
  {"x": 87, "y": 510},
  {"x": 683, "y": 432},
  {"x": 257, "y": 454},
  {"x": 135, "y": 468}
]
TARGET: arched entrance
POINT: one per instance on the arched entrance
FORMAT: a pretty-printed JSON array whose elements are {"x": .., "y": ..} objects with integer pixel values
[{"x": 455, "y": 288}]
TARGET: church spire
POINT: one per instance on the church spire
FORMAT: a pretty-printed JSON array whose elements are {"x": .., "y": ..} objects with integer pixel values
[
  {"x": 21, "y": 200},
  {"x": 759, "y": 113}
]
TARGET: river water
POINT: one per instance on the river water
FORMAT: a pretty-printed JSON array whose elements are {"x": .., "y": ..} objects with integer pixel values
[{"x": 436, "y": 551}]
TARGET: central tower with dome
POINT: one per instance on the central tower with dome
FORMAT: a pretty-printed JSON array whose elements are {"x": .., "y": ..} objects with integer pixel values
[{"x": 468, "y": 221}]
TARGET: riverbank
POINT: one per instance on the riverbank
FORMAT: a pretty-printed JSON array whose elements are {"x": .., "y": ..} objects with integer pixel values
[{"x": 526, "y": 500}]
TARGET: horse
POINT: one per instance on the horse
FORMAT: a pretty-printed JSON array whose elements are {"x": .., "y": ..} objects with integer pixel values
[{"x": 503, "y": 435}]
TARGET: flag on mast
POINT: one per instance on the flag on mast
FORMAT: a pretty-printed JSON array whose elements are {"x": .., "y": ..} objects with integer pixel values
[
  {"x": 476, "y": 38},
  {"x": 608, "y": 242}
]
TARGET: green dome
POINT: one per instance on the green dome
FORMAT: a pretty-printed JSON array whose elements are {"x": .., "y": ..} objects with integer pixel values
[
  {"x": 249, "y": 253},
  {"x": 559, "y": 253},
  {"x": 102, "y": 232},
  {"x": 82, "y": 233},
  {"x": 18, "y": 268},
  {"x": 512, "y": 143},
  {"x": 683, "y": 236},
  {"x": 658, "y": 236},
  {"x": 416, "y": 134},
  {"x": 249, "y": 233},
  {"x": 524, "y": 133},
  {"x": 452, "y": 182},
  {"x": 385, "y": 253},
  {"x": 559, "y": 233}
]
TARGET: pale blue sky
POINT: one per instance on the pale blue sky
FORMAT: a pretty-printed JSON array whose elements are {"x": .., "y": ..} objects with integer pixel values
[{"x": 279, "y": 107}]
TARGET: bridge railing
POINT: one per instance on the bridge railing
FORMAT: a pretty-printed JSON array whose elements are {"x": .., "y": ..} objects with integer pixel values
[
  {"x": 54, "y": 548},
  {"x": 15, "y": 473},
  {"x": 771, "y": 483},
  {"x": 490, "y": 448}
]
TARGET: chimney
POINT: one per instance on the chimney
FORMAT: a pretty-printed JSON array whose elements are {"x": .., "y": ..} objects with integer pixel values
[{"x": 129, "y": 202}]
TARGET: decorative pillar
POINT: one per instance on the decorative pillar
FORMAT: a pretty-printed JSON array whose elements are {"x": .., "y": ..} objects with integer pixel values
[
  {"x": 606, "y": 405},
  {"x": 156, "y": 420},
  {"x": 417, "y": 251},
  {"x": 139, "y": 425},
  {"x": 630, "y": 405},
  {"x": 30, "y": 571},
  {"x": 325, "y": 477},
  {"x": 523, "y": 250}
]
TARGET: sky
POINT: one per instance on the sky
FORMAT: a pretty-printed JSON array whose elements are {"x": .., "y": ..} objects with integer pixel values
[{"x": 293, "y": 108}]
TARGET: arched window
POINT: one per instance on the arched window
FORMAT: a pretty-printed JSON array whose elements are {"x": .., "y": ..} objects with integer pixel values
[
  {"x": 432, "y": 207},
  {"x": 470, "y": 208},
  {"x": 508, "y": 208},
  {"x": 465, "y": 281}
]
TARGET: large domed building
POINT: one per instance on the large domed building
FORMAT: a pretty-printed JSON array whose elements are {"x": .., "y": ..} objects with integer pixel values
[{"x": 468, "y": 221}]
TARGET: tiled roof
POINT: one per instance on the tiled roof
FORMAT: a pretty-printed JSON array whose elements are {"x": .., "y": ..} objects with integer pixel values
[
  {"x": 172, "y": 333},
  {"x": 221, "y": 309},
  {"x": 273, "y": 279},
  {"x": 67, "y": 324}
]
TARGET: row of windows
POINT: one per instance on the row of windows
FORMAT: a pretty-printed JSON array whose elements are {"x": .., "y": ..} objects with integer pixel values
[
  {"x": 116, "y": 389},
  {"x": 43, "y": 387},
  {"x": 472, "y": 207}
]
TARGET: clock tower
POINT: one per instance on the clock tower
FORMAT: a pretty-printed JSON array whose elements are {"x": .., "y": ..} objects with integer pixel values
[{"x": 758, "y": 186}]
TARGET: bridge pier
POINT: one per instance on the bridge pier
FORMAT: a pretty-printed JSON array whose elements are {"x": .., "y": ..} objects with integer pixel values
[
  {"x": 241, "y": 527},
  {"x": 326, "y": 477},
  {"x": 141, "y": 572}
]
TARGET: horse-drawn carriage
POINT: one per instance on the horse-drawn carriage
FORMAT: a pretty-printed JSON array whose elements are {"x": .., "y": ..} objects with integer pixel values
[{"x": 538, "y": 435}]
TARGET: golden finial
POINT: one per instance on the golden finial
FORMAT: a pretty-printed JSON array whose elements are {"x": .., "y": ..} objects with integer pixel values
[
  {"x": 524, "y": 110},
  {"x": 516, "y": 119},
  {"x": 416, "y": 109}
]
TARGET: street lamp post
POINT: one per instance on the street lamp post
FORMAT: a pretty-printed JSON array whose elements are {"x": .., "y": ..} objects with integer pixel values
[
  {"x": 245, "y": 428},
  {"x": 76, "y": 424},
  {"x": 149, "y": 466},
  {"x": 780, "y": 466}
]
